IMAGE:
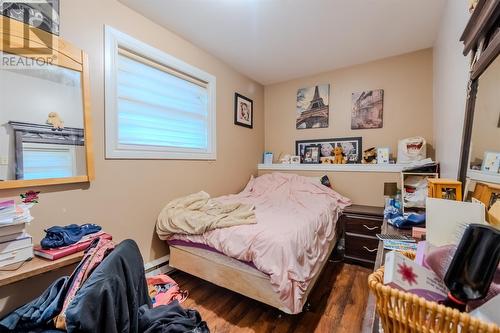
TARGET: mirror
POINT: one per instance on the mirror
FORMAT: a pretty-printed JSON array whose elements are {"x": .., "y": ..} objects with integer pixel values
[
  {"x": 44, "y": 112},
  {"x": 484, "y": 158}
]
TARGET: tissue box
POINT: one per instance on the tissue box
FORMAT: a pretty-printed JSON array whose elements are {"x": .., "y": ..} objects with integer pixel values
[{"x": 405, "y": 274}]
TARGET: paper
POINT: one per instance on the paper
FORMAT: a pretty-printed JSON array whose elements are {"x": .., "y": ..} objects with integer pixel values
[{"x": 446, "y": 219}]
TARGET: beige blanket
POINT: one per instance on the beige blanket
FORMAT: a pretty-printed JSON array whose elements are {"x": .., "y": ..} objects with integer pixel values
[{"x": 197, "y": 213}]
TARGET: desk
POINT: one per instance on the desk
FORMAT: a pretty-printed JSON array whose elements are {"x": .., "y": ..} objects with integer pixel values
[
  {"x": 35, "y": 267},
  {"x": 370, "y": 321}
]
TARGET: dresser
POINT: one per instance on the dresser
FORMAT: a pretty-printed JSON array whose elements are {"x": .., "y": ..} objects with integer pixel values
[{"x": 361, "y": 224}]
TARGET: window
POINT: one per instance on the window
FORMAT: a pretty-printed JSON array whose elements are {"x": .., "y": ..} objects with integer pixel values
[
  {"x": 157, "y": 106},
  {"x": 48, "y": 161}
]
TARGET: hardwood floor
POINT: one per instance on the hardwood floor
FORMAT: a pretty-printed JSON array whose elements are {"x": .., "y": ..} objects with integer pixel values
[{"x": 337, "y": 304}]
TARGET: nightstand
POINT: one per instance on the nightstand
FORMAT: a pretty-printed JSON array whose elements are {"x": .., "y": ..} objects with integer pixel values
[{"x": 360, "y": 225}]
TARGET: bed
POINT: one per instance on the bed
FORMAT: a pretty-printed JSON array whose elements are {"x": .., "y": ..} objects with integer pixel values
[{"x": 278, "y": 260}]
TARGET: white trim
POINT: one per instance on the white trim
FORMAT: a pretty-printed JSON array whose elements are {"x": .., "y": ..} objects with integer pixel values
[
  {"x": 114, "y": 40},
  {"x": 483, "y": 176},
  {"x": 156, "y": 262},
  {"x": 395, "y": 168}
]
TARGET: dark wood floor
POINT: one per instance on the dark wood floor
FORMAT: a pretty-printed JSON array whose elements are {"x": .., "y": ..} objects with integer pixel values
[{"x": 337, "y": 304}]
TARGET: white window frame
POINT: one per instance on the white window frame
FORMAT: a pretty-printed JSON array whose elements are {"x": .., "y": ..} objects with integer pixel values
[{"x": 115, "y": 40}]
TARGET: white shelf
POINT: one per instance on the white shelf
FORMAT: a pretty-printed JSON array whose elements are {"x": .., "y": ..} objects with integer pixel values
[
  {"x": 394, "y": 168},
  {"x": 483, "y": 176}
]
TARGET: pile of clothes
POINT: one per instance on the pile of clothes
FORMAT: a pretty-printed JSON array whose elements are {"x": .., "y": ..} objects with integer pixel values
[{"x": 108, "y": 293}]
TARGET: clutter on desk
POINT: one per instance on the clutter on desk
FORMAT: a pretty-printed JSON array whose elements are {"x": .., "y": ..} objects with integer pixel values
[
  {"x": 418, "y": 233},
  {"x": 398, "y": 245},
  {"x": 442, "y": 188},
  {"x": 405, "y": 274},
  {"x": 447, "y": 219},
  {"x": 473, "y": 266},
  {"x": 57, "y": 236},
  {"x": 61, "y": 252},
  {"x": 470, "y": 270},
  {"x": 16, "y": 245}
]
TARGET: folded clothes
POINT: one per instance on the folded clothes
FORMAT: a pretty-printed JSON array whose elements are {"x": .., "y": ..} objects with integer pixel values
[{"x": 63, "y": 236}]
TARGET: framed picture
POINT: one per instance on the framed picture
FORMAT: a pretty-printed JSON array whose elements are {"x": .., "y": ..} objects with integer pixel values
[
  {"x": 243, "y": 111},
  {"x": 367, "y": 109},
  {"x": 491, "y": 162},
  {"x": 295, "y": 159},
  {"x": 351, "y": 146},
  {"x": 383, "y": 155},
  {"x": 312, "y": 154},
  {"x": 42, "y": 14},
  {"x": 312, "y": 107}
]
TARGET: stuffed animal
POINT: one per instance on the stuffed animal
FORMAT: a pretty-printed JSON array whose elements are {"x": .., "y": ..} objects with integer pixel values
[
  {"x": 370, "y": 156},
  {"x": 55, "y": 121},
  {"x": 339, "y": 156}
]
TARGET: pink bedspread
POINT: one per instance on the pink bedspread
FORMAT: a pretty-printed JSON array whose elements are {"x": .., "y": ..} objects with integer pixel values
[{"x": 296, "y": 219}]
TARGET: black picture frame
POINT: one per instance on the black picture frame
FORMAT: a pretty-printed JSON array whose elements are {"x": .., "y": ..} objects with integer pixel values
[
  {"x": 238, "y": 120},
  {"x": 353, "y": 147},
  {"x": 46, "y": 13},
  {"x": 312, "y": 149}
]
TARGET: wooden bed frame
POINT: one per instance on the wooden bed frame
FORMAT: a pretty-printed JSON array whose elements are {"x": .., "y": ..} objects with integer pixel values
[{"x": 234, "y": 275}]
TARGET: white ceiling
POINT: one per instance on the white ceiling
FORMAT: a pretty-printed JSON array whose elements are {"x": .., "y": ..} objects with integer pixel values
[{"x": 277, "y": 40}]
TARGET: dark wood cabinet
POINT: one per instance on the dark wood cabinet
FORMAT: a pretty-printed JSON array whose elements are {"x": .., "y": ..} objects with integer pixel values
[{"x": 360, "y": 225}]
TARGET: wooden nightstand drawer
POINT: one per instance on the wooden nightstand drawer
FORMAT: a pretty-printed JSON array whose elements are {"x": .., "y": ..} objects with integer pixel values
[
  {"x": 365, "y": 225},
  {"x": 364, "y": 248}
]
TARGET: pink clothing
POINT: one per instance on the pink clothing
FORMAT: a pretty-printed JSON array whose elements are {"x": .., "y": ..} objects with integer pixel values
[
  {"x": 296, "y": 218},
  {"x": 163, "y": 290}
]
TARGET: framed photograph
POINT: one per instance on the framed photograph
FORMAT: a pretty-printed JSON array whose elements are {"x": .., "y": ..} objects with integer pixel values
[
  {"x": 313, "y": 107},
  {"x": 351, "y": 146},
  {"x": 42, "y": 14},
  {"x": 295, "y": 159},
  {"x": 491, "y": 162},
  {"x": 312, "y": 154},
  {"x": 243, "y": 111},
  {"x": 367, "y": 109},
  {"x": 383, "y": 155}
]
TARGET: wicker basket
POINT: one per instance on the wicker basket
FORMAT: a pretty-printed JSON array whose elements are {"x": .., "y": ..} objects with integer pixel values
[{"x": 402, "y": 312}]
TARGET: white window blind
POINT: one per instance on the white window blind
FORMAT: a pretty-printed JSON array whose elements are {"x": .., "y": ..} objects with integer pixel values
[
  {"x": 47, "y": 162},
  {"x": 156, "y": 105}
]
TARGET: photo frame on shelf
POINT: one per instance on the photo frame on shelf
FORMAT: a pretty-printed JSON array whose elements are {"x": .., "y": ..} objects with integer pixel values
[
  {"x": 491, "y": 162},
  {"x": 352, "y": 147},
  {"x": 311, "y": 154}
]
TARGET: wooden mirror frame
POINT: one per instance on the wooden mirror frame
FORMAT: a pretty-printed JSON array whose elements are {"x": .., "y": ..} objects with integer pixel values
[
  {"x": 26, "y": 40},
  {"x": 482, "y": 37}
]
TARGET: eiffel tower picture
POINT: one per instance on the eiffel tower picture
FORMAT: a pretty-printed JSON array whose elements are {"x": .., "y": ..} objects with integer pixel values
[{"x": 312, "y": 107}]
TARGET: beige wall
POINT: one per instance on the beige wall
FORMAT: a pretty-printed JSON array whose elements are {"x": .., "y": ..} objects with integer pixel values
[
  {"x": 450, "y": 84},
  {"x": 407, "y": 84},
  {"x": 127, "y": 195},
  {"x": 485, "y": 132}
]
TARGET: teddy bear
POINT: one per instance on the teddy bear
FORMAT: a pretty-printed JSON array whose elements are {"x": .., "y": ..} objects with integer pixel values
[
  {"x": 55, "y": 121},
  {"x": 370, "y": 156},
  {"x": 339, "y": 156}
]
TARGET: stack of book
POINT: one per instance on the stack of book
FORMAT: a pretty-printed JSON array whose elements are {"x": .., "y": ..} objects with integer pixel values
[{"x": 16, "y": 245}]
